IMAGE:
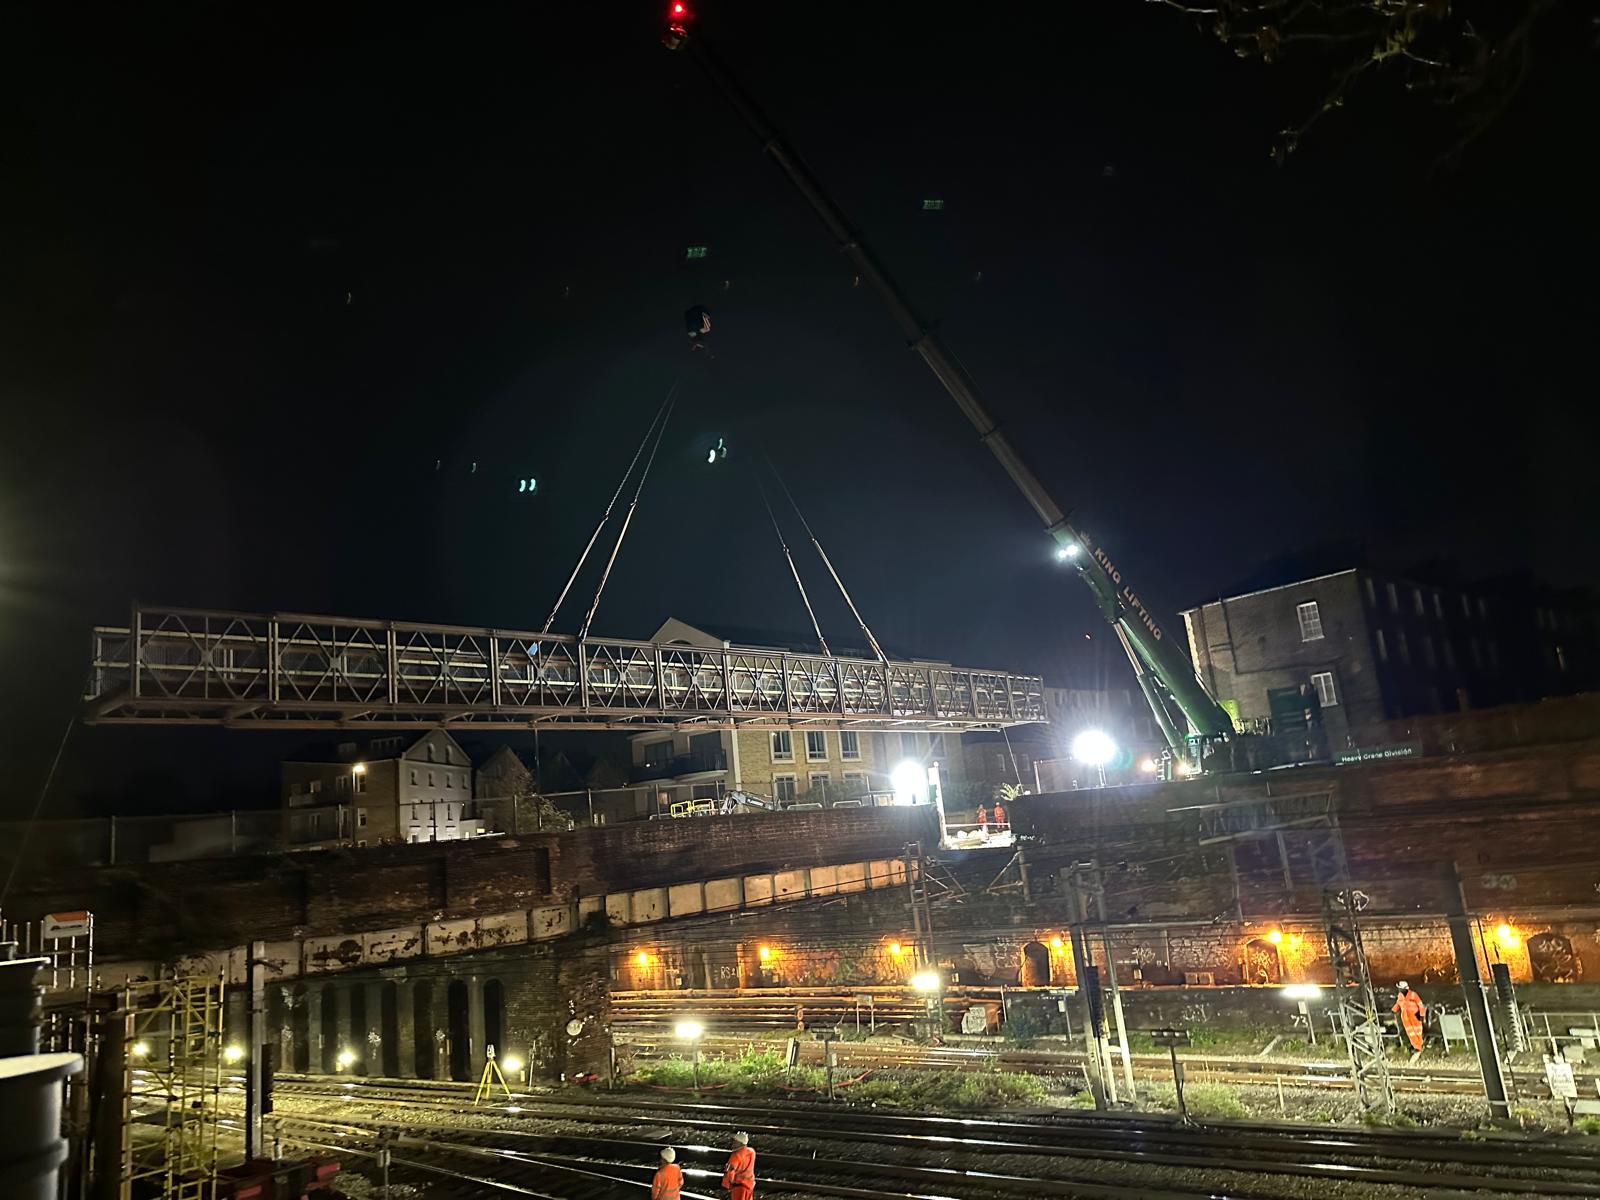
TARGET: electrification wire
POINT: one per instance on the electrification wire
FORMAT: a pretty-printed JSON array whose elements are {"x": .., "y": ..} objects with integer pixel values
[
  {"x": 627, "y": 519},
  {"x": 827, "y": 562},
  {"x": 793, "y": 570},
  {"x": 38, "y": 804},
  {"x": 621, "y": 483}
]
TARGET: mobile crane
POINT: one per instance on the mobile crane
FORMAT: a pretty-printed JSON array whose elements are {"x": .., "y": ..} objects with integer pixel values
[{"x": 1189, "y": 716}]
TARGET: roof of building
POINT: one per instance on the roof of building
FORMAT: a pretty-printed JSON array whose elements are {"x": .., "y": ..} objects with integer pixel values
[
  {"x": 366, "y": 748},
  {"x": 675, "y": 628}
]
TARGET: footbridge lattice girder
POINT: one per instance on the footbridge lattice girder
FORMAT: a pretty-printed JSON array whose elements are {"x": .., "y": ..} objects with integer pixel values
[{"x": 196, "y": 666}]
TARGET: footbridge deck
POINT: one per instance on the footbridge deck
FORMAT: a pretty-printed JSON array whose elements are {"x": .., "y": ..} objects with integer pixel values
[{"x": 180, "y": 666}]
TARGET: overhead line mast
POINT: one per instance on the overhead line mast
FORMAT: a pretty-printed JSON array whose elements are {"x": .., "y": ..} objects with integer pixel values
[{"x": 1174, "y": 692}]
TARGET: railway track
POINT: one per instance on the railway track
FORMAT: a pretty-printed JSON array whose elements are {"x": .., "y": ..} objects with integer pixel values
[
  {"x": 858, "y": 1056},
  {"x": 868, "y": 1153}
]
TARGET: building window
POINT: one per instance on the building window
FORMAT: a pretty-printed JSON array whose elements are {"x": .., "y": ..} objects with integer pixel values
[
  {"x": 314, "y": 786},
  {"x": 1466, "y": 608},
  {"x": 849, "y": 745},
  {"x": 1416, "y": 602},
  {"x": 855, "y": 783},
  {"x": 1383, "y": 648},
  {"x": 783, "y": 788},
  {"x": 816, "y": 745},
  {"x": 449, "y": 780},
  {"x": 1403, "y": 646},
  {"x": 1323, "y": 682},
  {"x": 1438, "y": 606},
  {"x": 430, "y": 752},
  {"x": 1477, "y": 654},
  {"x": 818, "y": 782},
  {"x": 1483, "y": 609},
  {"x": 782, "y": 746},
  {"x": 1394, "y": 596},
  {"x": 1372, "y": 592},
  {"x": 1428, "y": 654},
  {"x": 1449, "y": 652},
  {"x": 430, "y": 779},
  {"x": 908, "y": 746},
  {"x": 361, "y": 818},
  {"x": 1310, "y": 621},
  {"x": 413, "y": 777},
  {"x": 343, "y": 783}
]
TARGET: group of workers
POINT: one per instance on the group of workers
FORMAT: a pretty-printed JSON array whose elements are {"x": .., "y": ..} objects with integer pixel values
[
  {"x": 738, "y": 1177},
  {"x": 999, "y": 815}
]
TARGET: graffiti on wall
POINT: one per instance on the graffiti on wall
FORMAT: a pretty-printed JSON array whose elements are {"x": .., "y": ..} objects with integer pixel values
[{"x": 1551, "y": 959}]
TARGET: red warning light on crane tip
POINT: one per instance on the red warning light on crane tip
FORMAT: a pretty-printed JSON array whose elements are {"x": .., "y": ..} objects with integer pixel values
[{"x": 679, "y": 8}]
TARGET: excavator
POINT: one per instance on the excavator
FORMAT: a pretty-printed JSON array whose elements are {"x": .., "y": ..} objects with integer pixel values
[{"x": 1192, "y": 722}]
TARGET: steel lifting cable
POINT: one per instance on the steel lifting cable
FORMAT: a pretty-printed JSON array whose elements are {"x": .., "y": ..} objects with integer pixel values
[
  {"x": 38, "y": 804},
  {"x": 793, "y": 570},
  {"x": 621, "y": 483},
  {"x": 627, "y": 519},
  {"x": 827, "y": 562}
]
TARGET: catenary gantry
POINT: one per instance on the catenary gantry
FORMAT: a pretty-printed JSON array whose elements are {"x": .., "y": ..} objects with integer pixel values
[{"x": 181, "y": 666}]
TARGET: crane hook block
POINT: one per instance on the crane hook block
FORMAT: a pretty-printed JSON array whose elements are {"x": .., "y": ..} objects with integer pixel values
[{"x": 678, "y": 18}]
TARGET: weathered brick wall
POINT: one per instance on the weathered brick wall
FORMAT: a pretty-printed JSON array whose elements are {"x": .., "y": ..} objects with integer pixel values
[
  {"x": 1518, "y": 823},
  {"x": 160, "y": 909},
  {"x": 655, "y": 853},
  {"x": 403, "y": 1021}
]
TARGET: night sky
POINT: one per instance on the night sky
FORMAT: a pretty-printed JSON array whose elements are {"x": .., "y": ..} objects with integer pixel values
[{"x": 264, "y": 268}]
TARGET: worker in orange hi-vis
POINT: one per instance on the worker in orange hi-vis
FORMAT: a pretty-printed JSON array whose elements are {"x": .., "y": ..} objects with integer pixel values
[
  {"x": 983, "y": 820},
  {"x": 739, "y": 1179},
  {"x": 999, "y": 815},
  {"x": 1411, "y": 1009},
  {"x": 668, "y": 1181}
]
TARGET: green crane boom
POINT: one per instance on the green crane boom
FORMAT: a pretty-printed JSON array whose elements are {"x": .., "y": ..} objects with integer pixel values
[{"x": 1175, "y": 694}]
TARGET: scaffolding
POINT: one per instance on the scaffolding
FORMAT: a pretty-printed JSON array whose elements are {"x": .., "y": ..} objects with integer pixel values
[{"x": 172, "y": 1055}]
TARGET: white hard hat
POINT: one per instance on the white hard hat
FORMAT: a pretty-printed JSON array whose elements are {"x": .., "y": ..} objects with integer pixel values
[
  {"x": 669, "y": 1155},
  {"x": 1403, "y": 986},
  {"x": 742, "y": 1138}
]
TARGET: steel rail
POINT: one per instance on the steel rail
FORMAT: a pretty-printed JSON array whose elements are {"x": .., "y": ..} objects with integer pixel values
[
  {"x": 1014, "y": 1138},
  {"x": 939, "y": 1180}
]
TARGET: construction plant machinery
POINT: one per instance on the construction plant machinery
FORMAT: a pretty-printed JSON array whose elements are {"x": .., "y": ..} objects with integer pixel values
[{"x": 1189, "y": 716}]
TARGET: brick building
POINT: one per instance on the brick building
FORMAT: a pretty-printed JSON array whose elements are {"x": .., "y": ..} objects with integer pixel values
[
  {"x": 1374, "y": 647},
  {"x": 816, "y": 764},
  {"x": 396, "y": 788}
]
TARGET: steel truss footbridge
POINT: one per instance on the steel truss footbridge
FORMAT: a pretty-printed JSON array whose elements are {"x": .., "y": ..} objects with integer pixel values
[{"x": 179, "y": 666}]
